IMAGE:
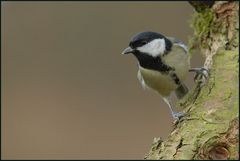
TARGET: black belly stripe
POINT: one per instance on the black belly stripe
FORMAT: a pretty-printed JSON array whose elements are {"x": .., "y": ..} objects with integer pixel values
[{"x": 175, "y": 78}]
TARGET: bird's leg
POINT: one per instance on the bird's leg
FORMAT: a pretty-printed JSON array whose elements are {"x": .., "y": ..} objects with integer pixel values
[
  {"x": 201, "y": 76},
  {"x": 175, "y": 115}
]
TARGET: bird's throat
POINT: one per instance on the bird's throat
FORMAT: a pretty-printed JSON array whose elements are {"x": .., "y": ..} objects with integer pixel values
[{"x": 154, "y": 63}]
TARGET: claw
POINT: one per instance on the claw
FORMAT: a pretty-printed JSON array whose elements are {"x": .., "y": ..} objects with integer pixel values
[
  {"x": 202, "y": 75},
  {"x": 178, "y": 115}
]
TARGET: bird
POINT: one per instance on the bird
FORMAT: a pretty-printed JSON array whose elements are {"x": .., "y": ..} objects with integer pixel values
[{"x": 163, "y": 65}]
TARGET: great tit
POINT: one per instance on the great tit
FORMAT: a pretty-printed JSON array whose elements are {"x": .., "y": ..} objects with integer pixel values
[{"x": 163, "y": 64}]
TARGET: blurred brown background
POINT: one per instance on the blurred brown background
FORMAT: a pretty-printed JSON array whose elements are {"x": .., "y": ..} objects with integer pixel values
[{"x": 68, "y": 93}]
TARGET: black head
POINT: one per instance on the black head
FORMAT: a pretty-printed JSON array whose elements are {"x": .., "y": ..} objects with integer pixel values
[{"x": 144, "y": 38}]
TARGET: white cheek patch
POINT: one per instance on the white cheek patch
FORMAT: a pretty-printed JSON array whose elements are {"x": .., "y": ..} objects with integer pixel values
[{"x": 154, "y": 48}]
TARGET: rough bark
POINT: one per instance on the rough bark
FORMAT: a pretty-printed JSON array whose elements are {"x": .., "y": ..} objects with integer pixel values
[{"x": 211, "y": 128}]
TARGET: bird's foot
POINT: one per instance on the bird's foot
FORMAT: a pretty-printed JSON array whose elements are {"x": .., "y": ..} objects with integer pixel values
[
  {"x": 178, "y": 115},
  {"x": 202, "y": 75}
]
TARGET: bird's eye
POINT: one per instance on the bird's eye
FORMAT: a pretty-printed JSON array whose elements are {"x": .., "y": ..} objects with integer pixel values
[{"x": 143, "y": 42}]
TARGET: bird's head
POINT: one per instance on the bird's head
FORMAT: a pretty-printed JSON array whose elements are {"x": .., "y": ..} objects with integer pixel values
[{"x": 148, "y": 44}]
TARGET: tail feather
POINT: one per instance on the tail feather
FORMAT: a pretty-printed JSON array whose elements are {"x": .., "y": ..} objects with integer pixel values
[{"x": 181, "y": 91}]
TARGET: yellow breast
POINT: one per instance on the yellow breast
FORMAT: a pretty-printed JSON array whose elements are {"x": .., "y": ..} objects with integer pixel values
[{"x": 155, "y": 80}]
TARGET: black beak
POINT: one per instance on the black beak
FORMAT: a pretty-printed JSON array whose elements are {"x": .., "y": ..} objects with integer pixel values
[{"x": 128, "y": 50}]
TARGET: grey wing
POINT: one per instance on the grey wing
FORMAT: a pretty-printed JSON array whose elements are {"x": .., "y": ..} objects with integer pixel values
[{"x": 179, "y": 43}]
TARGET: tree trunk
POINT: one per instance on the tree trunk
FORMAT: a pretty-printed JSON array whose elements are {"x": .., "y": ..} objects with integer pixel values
[{"x": 211, "y": 128}]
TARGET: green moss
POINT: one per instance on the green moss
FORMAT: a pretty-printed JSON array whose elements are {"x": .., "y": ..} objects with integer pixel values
[
  {"x": 202, "y": 24},
  {"x": 206, "y": 25}
]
